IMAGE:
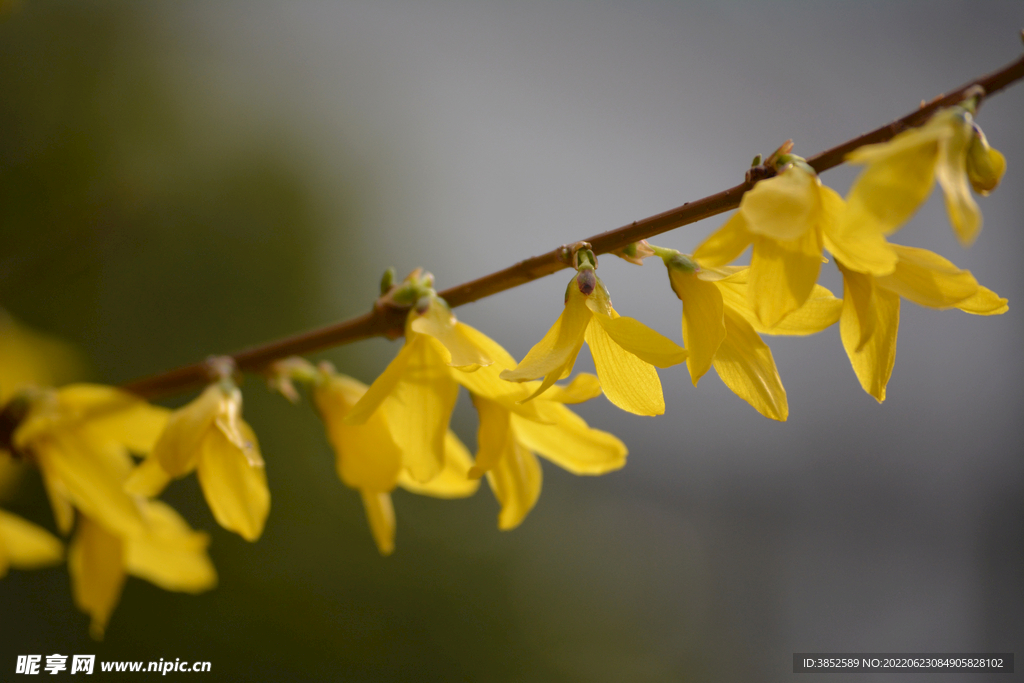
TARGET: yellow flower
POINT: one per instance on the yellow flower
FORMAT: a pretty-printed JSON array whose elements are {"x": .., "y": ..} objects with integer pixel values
[
  {"x": 789, "y": 219},
  {"x": 369, "y": 458},
  {"x": 419, "y": 379},
  {"x": 871, "y": 308},
  {"x": 900, "y": 174},
  {"x": 166, "y": 553},
  {"x": 209, "y": 436},
  {"x": 625, "y": 351},
  {"x": 720, "y": 329},
  {"x": 80, "y": 436},
  {"x": 24, "y": 545},
  {"x": 510, "y": 432}
]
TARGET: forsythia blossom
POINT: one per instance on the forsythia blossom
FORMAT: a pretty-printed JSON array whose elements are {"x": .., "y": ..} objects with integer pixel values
[
  {"x": 900, "y": 173},
  {"x": 368, "y": 458},
  {"x": 871, "y": 308},
  {"x": 625, "y": 351},
  {"x": 209, "y": 436},
  {"x": 720, "y": 329}
]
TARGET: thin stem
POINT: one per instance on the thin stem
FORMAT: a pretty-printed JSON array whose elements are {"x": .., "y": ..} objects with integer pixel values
[{"x": 389, "y": 321}]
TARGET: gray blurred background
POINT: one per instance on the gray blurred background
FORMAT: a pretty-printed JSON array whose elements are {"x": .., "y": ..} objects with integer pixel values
[{"x": 180, "y": 179}]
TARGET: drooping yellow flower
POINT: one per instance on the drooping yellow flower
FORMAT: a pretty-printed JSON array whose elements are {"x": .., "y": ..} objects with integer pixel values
[
  {"x": 511, "y": 432},
  {"x": 789, "y": 219},
  {"x": 720, "y": 329},
  {"x": 900, "y": 174},
  {"x": 165, "y": 552},
  {"x": 871, "y": 308},
  {"x": 625, "y": 351},
  {"x": 370, "y": 459},
  {"x": 210, "y": 437},
  {"x": 419, "y": 381},
  {"x": 80, "y": 436},
  {"x": 23, "y": 545}
]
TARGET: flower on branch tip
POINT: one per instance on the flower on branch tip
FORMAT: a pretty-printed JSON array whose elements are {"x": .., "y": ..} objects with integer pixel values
[
  {"x": 80, "y": 437},
  {"x": 720, "y": 329},
  {"x": 165, "y": 552},
  {"x": 420, "y": 381},
  {"x": 871, "y": 308},
  {"x": 511, "y": 432},
  {"x": 369, "y": 458},
  {"x": 210, "y": 437},
  {"x": 900, "y": 173},
  {"x": 625, "y": 351},
  {"x": 789, "y": 219}
]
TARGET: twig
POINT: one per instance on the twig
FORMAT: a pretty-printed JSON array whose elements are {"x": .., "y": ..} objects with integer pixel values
[{"x": 389, "y": 321}]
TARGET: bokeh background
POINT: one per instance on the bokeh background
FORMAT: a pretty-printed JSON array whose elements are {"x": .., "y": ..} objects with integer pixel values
[{"x": 182, "y": 178}]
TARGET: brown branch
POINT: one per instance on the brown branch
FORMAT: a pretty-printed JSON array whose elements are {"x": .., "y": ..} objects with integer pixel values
[{"x": 389, "y": 321}]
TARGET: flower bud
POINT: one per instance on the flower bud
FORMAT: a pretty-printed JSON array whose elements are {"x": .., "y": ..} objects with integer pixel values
[
  {"x": 985, "y": 165},
  {"x": 586, "y": 280}
]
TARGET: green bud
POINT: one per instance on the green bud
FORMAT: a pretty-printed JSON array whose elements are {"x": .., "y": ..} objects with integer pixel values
[
  {"x": 387, "y": 281},
  {"x": 682, "y": 263}
]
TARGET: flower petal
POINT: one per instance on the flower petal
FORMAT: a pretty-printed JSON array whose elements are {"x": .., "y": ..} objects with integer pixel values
[
  {"x": 951, "y": 172},
  {"x": 821, "y": 310},
  {"x": 89, "y": 482},
  {"x": 583, "y": 387},
  {"x": 984, "y": 302},
  {"x": 380, "y": 514},
  {"x": 854, "y": 236},
  {"x": 783, "y": 208},
  {"x": 235, "y": 490},
  {"x": 385, "y": 384},
  {"x": 745, "y": 364},
  {"x": 781, "y": 278},
  {"x": 559, "y": 346},
  {"x": 421, "y": 407},
  {"x": 453, "y": 481},
  {"x": 148, "y": 479},
  {"x": 458, "y": 348},
  {"x": 178, "y": 447},
  {"x": 366, "y": 456},
  {"x": 170, "y": 554},
  {"x": 95, "y": 564},
  {"x": 643, "y": 342},
  {"x": 928, "y": 279},
  {"x": 725, "y": 244},
  {"x": 898, "y": 179},
  {"x": 23, "y": 545},
  {"x": 516, "y": 482},
  {"x": 569, "y": 442},
  {"x": 868, "y": 327},
  {"x": 493, "y": 435},
  {"x": 628, "y": 382},
  {"x": 703, "y": 320}
]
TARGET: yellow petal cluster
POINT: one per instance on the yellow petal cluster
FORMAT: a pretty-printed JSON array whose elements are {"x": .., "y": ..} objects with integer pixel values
[
  {"x": 210, "y": 437},
  {"x": 900, "y": 174},
  {"x": 368, "y": 457},
  {"x": 871, "y": 308},
  {"x": 625, "y": 352},
  {"x": 512, "y": 432},
  {"x": 420, "y": 381},
  {"x": 720, "y": 330},
  {"x": 80, "y": 437},
  {"x": 166, "y": 553},
  {"x": 789, "y": 219}
]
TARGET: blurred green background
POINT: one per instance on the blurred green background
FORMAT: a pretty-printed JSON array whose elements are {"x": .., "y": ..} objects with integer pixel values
[{"x": 182, "y": 179}]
